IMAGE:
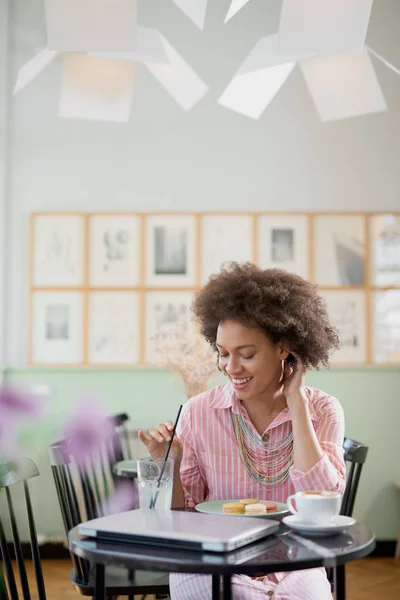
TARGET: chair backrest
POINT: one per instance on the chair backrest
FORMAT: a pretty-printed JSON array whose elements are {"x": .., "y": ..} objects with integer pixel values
[
  {"x": 355, "y": 454},
  {"x": 18, "y": 474},
  {"x": 62, "y": 470},
  {"x": 127, "y": 438},
  {"x": 121, "y": 449},
  {"x": 82, "y": 492}
]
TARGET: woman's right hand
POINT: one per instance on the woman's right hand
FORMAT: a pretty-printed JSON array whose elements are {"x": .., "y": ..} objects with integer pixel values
[{"x": 157, "y": 441}]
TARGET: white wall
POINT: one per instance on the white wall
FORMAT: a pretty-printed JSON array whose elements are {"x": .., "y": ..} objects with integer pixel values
[
  {"x": 4, "y": 105},
  {"x": 210, "y": 158}
]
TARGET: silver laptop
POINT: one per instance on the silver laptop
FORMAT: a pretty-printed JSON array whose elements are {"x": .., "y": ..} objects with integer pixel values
[{"x": 179, "y": 529}]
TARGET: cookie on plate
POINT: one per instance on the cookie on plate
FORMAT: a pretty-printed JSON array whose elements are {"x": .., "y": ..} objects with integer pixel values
[
  {"x": 249, "y": 501},
  {"x": 233, "y": 508},
  {"x": 271, "y": 506},
  {"x": 256, "y": 509}
]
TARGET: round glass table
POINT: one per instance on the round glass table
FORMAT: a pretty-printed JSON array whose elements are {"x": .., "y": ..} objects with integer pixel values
[{"x": 284, "y": 551}]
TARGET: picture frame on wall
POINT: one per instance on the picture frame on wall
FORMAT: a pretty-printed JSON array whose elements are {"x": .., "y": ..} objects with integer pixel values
[
  {"x": 58, "y": 250},
  {"x": 347, "y": 311},
  {"x": 113, "y": 327},
  {"x": 386, "y": 327},
  {"x": 164, "y": 312},
  {"x": 385, "y": 250},
  {"x": 339, "y": 250},
  {"x": 171, "y": 250},
  {"x": 225, "y": 238},
  {"x": 283, "y": 243},
  {"x": 57, "y": 327},
  {"x": 114, "y": 250}
]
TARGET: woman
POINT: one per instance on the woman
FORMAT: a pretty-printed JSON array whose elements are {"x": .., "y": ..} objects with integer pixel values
[{"x": 263, "y": 434}]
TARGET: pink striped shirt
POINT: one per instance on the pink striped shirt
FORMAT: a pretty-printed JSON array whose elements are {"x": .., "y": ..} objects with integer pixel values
[{"x": 212, "y": 468}]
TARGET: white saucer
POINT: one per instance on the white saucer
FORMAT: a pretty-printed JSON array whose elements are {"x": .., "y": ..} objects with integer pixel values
[{"x": 335, "y": 526}]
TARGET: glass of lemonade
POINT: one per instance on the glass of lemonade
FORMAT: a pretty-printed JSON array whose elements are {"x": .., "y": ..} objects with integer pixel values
[{"x": 148, "y": 471}]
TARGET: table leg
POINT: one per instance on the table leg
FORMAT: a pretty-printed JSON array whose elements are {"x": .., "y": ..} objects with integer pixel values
[
  {"x": 339, "y": 576},
  {"x": 216, "y": 586},
  {"x": 100, "y": 583},
  {"x": 227, "y": 593}
]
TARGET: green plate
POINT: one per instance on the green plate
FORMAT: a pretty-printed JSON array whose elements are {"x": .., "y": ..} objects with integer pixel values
[{"x": 214, "y": 507}]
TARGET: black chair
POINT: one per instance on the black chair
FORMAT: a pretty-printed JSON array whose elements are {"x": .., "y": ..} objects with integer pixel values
[
  {"x": 355, "y": 455},
  {"x": 121, "y": 440},
  {"x": 124, "y": 467},
  {"x": 93, "y": 484},
  {"x": 10, "y": 475}
]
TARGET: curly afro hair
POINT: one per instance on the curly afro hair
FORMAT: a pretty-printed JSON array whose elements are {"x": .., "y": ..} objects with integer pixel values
[{"x": 286, "y": 307}]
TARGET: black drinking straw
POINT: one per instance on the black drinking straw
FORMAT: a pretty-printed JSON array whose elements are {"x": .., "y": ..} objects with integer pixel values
[{"x": 154, "y": 499}]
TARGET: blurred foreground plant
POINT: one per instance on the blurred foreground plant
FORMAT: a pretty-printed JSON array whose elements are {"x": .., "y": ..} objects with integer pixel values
[{"x": 87, "y": 429}]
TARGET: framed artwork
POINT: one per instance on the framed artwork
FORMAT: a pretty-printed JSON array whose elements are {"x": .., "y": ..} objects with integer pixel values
[
  {"x": 104, "y": 286},
  {"x": 283, "y": 243},
  {"x": 385, "y": 250},
  {"x": 339, "y": 250},
  {"x": 171, "y": 251},
  {"x": 225, "y": 238},
  {"x": 347, "y": 312},
  {"x": 113, "y": 327},
  {"x": 164, "y": 311},
  {"x": 114, "y": 251},
  {"x": 57, "y": 327},
  {"x": 58, "y": 250},
  {"x": 386, "y": 327}
]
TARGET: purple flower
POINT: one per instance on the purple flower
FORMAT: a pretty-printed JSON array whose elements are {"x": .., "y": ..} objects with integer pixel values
[
  {"x": 124, "y": 498},
  {"x": 88, "y": 429},
  {"x": 16, "y": 403}
]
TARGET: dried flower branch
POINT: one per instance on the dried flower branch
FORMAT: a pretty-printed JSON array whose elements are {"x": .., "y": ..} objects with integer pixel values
[{"x": 187, "y": 354}]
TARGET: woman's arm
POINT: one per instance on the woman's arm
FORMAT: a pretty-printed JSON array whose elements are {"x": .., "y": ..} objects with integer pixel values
[
  {"x": 329, "y": 472},
  {"x": 306, "y": 447},
  {"x": 189, "y": 487},
  {"x": 307, "y": 450},
  {"x": 318, "y": 447},
  {"x": 156, "y": 443}
]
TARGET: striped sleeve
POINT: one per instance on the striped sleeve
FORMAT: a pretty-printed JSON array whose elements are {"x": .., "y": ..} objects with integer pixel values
[
  {"x": 193, "y": 484},
  {"x": 329, "y": 473}
]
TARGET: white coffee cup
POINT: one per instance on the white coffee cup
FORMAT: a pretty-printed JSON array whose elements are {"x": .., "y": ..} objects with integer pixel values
[{"x": 315, "y": 506}]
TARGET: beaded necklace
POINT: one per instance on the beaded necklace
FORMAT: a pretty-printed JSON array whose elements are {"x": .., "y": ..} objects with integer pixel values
[{"x": 270, "y": 466}]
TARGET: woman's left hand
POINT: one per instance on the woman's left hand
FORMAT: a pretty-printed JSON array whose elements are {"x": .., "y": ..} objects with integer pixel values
[{"x": 293, "y": 381}]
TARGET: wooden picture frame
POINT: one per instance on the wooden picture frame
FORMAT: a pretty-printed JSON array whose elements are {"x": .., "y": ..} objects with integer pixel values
[
  {"x": 283, "y": 243},
  {"x": 57, "y": 327},
  {"x": 113, "y": 328},
  {"x": 58, "y": 252},
  {"x": 347, "y": 310},
  {"x": 170, "y": 250},
  {"x": 385, "y": 250},
  {"x": 225, "y": 238},
  {"x": 164, "y": 311},
  {"x": 339, "y": 250},
  {"x": 386, "y": 326},
  {"x": 114, "y": 250}
]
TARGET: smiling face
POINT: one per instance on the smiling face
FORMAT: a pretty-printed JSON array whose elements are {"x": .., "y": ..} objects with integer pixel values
[{"x": 250, "y": 360}]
